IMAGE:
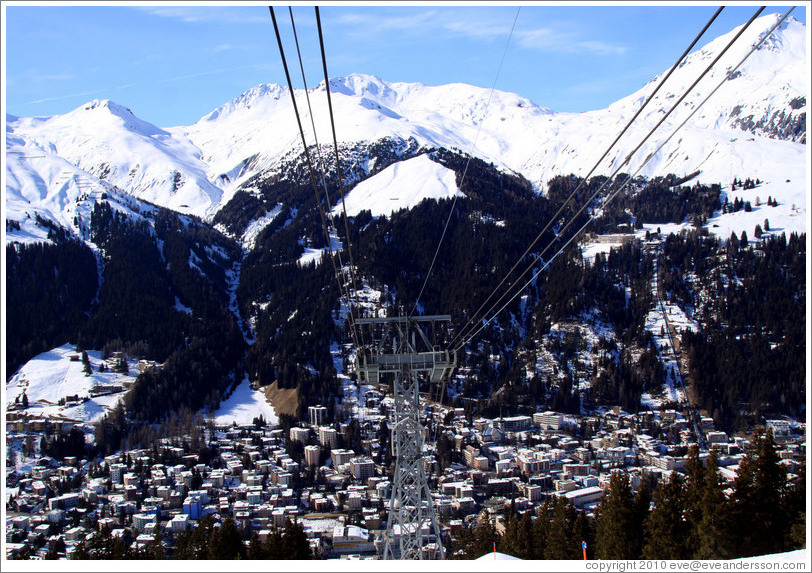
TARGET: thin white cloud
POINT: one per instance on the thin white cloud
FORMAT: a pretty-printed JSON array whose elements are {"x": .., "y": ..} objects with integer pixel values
[
  {"x": 414, "y": 21},
  {"x": 58, "y": 98},
  {"x": 223, "y": 14},
  {"x": 210, "y": 73},
  {"x": 481, "y": 26},
  {"x": 549, "y": 40},
  {"x": 222, "y": 48}
]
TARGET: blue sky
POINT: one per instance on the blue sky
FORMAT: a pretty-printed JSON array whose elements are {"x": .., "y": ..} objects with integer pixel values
[{"x": 173, "y": 64}]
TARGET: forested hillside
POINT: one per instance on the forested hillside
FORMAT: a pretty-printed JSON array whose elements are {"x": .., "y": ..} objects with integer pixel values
[{"x": 164, "y": 295}]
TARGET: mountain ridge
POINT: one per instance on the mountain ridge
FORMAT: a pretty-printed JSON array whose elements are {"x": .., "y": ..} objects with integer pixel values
[{"x": 757, "y": 130}]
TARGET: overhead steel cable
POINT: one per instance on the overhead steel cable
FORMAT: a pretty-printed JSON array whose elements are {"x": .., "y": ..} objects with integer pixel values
[
  {"x": 473, "y": 317},
  {"x": 304, "y": 144},
  {"x": 353, "y": 270},
  {"x": 629, "y": 178},
  {"x": 467, "y": 163},
  {"x": 625, "y": 161},
  {"x": 345, "y": 294}
]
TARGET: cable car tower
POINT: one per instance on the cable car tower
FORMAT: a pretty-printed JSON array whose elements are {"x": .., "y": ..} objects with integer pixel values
[{"x": 402, "y": 350}]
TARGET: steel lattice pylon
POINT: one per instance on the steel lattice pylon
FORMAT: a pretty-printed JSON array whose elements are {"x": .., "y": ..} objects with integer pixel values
[
  {"x": 411, "y": 510},
  {"x": 402, "y": 348}
]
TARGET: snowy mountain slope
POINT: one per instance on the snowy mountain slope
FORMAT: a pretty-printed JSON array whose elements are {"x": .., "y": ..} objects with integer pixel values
[
  {"x": 772, "y": 82},
  {"x": 739, "y": 130},
  {"x": 108, "y": 141},
  {"x": 401, "y": 186},
  {"x": 53, "y": 376},
  {"x": 760, "y": 97},
  {"x": 754, "y": 126},
  {"x": 44, "y": 189}
]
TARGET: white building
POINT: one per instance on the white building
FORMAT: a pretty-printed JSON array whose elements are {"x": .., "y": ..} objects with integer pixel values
[
  {"x": 317, "y": 415},
  {"x": 140, "y": 520},
  {"x": 513, "y": 423},
  {"x": 351, "y": 539},
  {"x": 584, "y": 496},
  {"x": 717, "y": 437},
  {"x": 180, "y": 523},
  {"x": 299, "y": 434},
  {"x": 312, "y": 455},
  {"x": 328, "y": 437},
  {"x": 341, "y": 457},
  {"x": 362, "y": 468},
  {"x": 548, "y": 420}
]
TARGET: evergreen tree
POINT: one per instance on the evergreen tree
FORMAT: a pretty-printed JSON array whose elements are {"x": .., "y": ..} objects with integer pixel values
[
  {"x": 88, "y": 370},
  {"x": 540, "y": 531},
  {"x": 560, "y": 541},
  {"x": 758, "y": 499},
  {"x": 582, "y": 533},
  {"x": 156, "y": 547},
  {"x": 795, "y": 504},
  {"x": 712, "y": 540},
  {"x": 476, "y": 541},
  {"x": 524, "y": 537},
  {"x": 273, "y": 545},
  {"x": 255, "y": 548},
  {"x": 615, "y": 520},
  {"x": 642, "y": 508},
  {"x": 667, "y": 525},
  {"x": 510, "y": 544},
  {"x": 226, "y": 541},
  {"x": 294, "y": 542},
  {"x": 194, "y": 543}
]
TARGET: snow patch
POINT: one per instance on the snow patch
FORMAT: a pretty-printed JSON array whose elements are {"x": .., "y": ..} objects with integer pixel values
[
  {"x": 244, "y": 405},
  {"x": 56, "y": 374},
  {"x": 402, "y": 186},
  {"x": 249, "y": 237}
]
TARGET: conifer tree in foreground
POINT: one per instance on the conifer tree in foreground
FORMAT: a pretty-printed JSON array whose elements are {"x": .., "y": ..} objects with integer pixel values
[
  {"x": 667, "y": 526},
  {"x": 712, "y": 532},
  {"x": 758, "y": 500},
  {"x": 615, "y": 521}
]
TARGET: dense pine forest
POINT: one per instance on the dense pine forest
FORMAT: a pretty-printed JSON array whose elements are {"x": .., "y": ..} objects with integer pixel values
[
  {"x": 49, "y": 288},
  {"x": 159, "y": 288}
]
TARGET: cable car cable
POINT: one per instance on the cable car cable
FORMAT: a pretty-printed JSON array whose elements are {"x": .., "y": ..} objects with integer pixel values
[{"x": 473, "y": 319}]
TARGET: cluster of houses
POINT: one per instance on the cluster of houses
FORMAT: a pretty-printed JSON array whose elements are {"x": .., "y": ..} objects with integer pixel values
[{"x": 340, "y": 495}]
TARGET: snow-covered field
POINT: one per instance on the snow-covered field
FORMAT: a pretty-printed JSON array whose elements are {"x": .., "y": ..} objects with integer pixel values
[
  {"x": 311, "y": 256},
  {"x": 402, "y": 186},
  {"x": 790, "y": 216},
  {"x": 52, "y": 376},
  {"x": 244, "y": 405}
]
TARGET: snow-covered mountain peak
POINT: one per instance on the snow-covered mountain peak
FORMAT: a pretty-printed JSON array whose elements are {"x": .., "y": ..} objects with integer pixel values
[
  {"x": 764, "y": 96},
  {"x": 363, "y": 85},
  {"x": 109, "y": 142},
  {"x": 109, "y": 105},
  {"x": 789, "y": 37},
  {"x": 198, "y": 168},
  {"x": 107, "y": 113},
  {"x": 249, "y": 98}
]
